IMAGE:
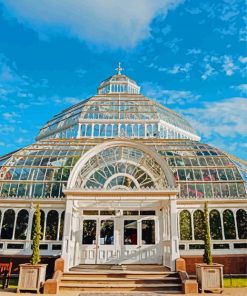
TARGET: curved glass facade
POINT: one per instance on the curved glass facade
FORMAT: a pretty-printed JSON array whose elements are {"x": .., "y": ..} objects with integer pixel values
[{"x": 42, "y": 169}]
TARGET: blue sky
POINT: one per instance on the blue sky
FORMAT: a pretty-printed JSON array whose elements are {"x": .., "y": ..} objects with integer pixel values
[{"x": 189, "y": 55}]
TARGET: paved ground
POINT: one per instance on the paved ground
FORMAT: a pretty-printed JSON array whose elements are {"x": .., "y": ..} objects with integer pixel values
[{"x": 227, "y": 292}]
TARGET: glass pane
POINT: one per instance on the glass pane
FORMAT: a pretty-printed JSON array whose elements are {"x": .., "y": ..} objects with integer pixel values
[
  {"x": 21, "y": 225},
  {"x": 90, "y": 212},
  {"x": 130, "y": 213},
  {"x": 147, "y": 213},
  {"x": 215, "y": 225},
  {"x": 89, "y": 232},
  {"x": 229, "y": 224},
  {"x": 198, "y": 218},
  {"x": 51, "y": 225},
  {"x": 8, "y": 224},
  {"x": 148, "y": 232},
  {"x": 107, "y": 232},
  {"x": 107, "y": 213},
  {"x": 130, "y": 232}
]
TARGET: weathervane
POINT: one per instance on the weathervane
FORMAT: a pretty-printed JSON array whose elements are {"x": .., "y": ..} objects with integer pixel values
[{"x": 119, "y": 69}]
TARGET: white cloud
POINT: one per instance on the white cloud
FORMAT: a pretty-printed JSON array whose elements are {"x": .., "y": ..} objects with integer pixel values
[
  {"x": 168, "y": 96},
  {"x": 194, "y": 51},
  {"x": 241, "y": 87},
  {"x": 10, "y": 116},
  {"x": 226, "y": 118},
  {"x": 6, "y": 129},
  {"x": 209, "y": 71},
  {"x": 228, "y": 66},
  {"x": 178, "y": 69},
  {"x": 118, "y": 24},
  {"x": 243, "y": 60}
]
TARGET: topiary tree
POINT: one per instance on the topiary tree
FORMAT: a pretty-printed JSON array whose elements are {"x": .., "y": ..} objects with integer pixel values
[
  {"x": 35, "y": 259},
  {"x": 207, "y": 256}
]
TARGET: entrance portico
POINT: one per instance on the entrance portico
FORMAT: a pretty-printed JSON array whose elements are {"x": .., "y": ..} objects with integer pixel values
[
  {"x": 121, "y": 227},
  {"x": 120, "y": 208}
]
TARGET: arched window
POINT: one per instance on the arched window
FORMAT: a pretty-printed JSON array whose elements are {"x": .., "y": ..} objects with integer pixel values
[
  {"x": 242, "y": 224},
  {"x": 83, "y": 130},
  {"x": 129, "y": 130},
  {"x": 21, "y": 225},
  {"x": 102, "y": 130},
  {"x": 61, "y": 226},
  {"x": 229, "y": 225},
  {"x": 198, "y": 219},
  {"x": 109, "y": 130},
  {"x": 42, "y": 222},
  {"x": 51, "y": 225},
  {"x": 8, "y": 224},
  {"x": 89, "y": 130},
  {"x": 96, "y": 130},
  {"x": 215, "y": 225},
  {"x": 185, "y": 225}
]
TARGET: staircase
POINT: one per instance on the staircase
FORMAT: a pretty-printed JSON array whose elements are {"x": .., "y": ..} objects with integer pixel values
[{"x": 121, "y": 279}]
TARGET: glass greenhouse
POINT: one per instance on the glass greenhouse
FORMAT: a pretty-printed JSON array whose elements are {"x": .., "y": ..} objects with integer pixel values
[{"x": 112, "y": 165}]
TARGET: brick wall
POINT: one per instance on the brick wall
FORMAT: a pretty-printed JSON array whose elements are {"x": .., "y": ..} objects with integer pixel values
[
  {"x": 233, "y": 264},
  {"x": 16, "y": 260}
]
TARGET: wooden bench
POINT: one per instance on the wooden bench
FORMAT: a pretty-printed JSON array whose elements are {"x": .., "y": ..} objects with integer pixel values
[{"x": 5, "y": 273}]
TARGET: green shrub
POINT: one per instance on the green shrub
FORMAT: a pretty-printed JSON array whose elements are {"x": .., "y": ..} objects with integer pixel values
[{"x": 35, "y": 259}]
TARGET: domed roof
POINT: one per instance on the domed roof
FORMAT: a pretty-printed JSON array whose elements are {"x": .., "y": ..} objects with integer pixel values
[{"x": 118, "y": 110}]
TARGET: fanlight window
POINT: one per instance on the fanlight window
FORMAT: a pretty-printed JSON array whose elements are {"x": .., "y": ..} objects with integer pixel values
[{"x": 121, "y": 168}]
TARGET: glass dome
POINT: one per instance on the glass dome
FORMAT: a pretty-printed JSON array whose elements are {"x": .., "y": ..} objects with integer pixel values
[
  {"x": 41, "y": 170},
  {"x": 118, "y": 110}
]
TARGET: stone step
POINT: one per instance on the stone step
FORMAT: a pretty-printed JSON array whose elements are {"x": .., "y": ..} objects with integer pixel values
[
  {"x": 121, "y": 274},
  {"x": 97, "y": 280},
  {"x": 120, "y": 287}
]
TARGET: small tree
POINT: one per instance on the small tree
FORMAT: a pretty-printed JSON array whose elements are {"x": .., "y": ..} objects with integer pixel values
[
  {"x": 35, "y": 259},
  {"x": 207, "y": 256}
]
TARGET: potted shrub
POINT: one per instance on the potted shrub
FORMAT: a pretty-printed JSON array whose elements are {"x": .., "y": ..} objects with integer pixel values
[
  {"x": 209, "y": 275},
  {"x": 32, "y": 275}
]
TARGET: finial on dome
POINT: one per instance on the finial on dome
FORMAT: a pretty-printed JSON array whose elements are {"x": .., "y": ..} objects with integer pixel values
[{"x": 119, "y": 69}]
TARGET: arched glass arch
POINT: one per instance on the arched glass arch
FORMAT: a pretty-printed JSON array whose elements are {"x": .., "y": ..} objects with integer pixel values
[
  {"x": 8, "y": 224},
  {"x": 185, "y": 225},
  {"x": 229, "y": 225},
  {"x": 51, "y": 225},
  {"x": 121, "y": 167},
  {"x": 215, "y": 225},
  {"x": 198, "y": 220},
  {"x": 21, "y": 225},
  {"x": 242, "y": 224}
]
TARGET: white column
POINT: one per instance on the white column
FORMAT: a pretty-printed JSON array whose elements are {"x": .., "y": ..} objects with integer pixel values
[
  {"x": 92, "y": 130},
  {"x": 45, "y": 218},
  {"x": 66, "y": 250},
  {"x": 192, "y": 224},
  {"x": 236, "y": 224},
  {"x": 173, "y": 233},
  {"x": 145, "y": 130},
  {"x": 119, "y": 125},
  {"x": 222, "y": 224},
  {"x": 58, "y": 225},
  {"x": 79, "y": 131},
  {"x": 16, "y": 214}
]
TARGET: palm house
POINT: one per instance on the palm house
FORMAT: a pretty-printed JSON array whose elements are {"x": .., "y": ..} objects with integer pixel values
[{"x": 122, "y": 179}]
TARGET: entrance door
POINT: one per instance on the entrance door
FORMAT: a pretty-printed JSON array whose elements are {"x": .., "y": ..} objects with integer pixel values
[
  {"x": 98, "y": 241},
  {"x": 120, "y": 240},
  {"x": 140, "y": 241}
]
